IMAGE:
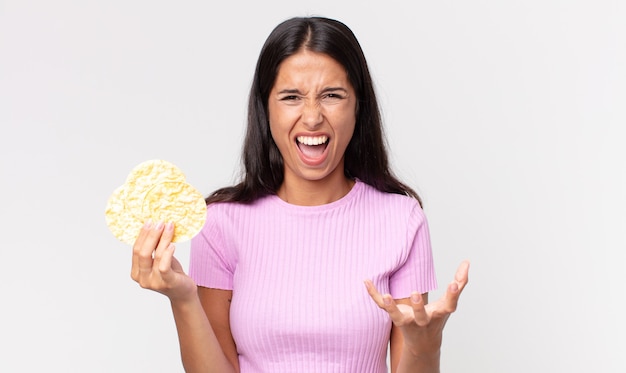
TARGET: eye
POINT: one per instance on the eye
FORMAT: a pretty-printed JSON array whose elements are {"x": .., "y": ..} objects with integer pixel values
[
  {"x": 332, "y": 97},
  {"x": 290, "y": 98}
]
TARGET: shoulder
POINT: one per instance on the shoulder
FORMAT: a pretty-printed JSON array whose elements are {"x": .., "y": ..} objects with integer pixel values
[
  {"x": 225, "y": 220},
  {"x": 392, "y": 208},
  {"x": 389, "y": 201},
  {"x": 228, "y": 213},
  {"x": 235, "y": 207}
]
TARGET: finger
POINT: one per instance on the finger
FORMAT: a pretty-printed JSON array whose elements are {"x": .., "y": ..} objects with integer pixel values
[
  {"x": 385, "y": 302},
  {"x": 164, "y": 241},
  {"x": 147, "y": 247},
  {"x": 174, "y": 263},
  {"x": 374, "y": 294},
  {"x": 164, "y": 250},
  {"x": 143, "y": 233},
  {"x": 462, "y": 273},
  {"x": 165, "y": 262},
  {"x": 396, "y": 315},
  {"x": 453, "y": 292},
  {"x": 419, "y": 309}
]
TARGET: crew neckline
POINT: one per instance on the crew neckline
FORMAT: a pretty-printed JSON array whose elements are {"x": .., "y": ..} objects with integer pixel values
[{"x": 327, "y": 206}]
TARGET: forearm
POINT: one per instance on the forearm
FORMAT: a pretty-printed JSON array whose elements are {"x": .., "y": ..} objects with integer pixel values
[{"x": 200, "y": 349}]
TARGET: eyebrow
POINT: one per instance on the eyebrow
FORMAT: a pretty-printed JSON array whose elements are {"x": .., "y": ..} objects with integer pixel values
[{"x": 325, "y": 90}]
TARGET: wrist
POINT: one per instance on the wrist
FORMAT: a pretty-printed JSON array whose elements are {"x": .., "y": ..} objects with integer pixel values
[
  {"x": 419, "y": 361},
  {"x": 429, "y": 358},
  {"x": 185, "y": 302}
]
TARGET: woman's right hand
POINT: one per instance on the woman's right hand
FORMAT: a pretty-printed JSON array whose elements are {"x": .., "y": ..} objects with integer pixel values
[{"x": 154, "y": 265}]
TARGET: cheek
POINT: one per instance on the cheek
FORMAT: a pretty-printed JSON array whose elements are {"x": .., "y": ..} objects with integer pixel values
[
  {"x": 344, "y": 118},
  {"x": 346, "y": 127},
  {"x": 280, "y": 118},
  {"x": 275, "y": 124},
  {"x": 280, "y": 135}
]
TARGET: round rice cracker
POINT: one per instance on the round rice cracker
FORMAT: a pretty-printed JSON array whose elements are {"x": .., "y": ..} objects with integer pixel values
[
  {"x": 143, "y": 177},
  {"x": 176, "y": 202},
  {"x": 121, "y": 222}
]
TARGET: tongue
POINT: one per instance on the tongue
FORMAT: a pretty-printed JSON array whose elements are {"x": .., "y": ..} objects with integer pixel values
[{"x": 312, "y": 151}]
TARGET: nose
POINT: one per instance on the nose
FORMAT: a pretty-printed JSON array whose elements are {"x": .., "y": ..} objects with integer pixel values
[{"x": 312, "y": 114}]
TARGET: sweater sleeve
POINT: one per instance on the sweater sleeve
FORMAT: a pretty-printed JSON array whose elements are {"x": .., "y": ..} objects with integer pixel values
[
  {"x": 417, "y": 272},
  {"x": 211, "y": 263}
]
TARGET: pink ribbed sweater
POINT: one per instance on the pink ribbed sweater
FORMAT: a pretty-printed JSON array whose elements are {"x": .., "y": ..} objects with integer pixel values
[{"x": 299, "y": 303}]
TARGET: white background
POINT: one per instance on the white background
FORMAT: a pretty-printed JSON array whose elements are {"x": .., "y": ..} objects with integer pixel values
[{"x": 507, "y": 116}]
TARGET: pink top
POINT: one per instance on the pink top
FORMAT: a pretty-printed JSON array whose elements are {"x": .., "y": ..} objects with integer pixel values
[{"x": 299, "y": 302}]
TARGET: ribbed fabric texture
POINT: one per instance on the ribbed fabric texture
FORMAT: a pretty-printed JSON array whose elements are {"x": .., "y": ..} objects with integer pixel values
[{"x": 299, "y": 303}]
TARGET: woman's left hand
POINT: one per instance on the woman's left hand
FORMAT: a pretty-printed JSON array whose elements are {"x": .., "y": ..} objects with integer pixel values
[{"x": 422, "y": 324}]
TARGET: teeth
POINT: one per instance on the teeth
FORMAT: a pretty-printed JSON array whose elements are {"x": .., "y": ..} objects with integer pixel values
[{"x": 310, "y": 140}]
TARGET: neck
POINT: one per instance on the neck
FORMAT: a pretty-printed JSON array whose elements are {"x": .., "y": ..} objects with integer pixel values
[{"x": 314, "y": 192}]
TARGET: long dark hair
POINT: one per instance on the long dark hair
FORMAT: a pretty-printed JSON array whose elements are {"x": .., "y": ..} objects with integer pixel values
[{"x": 366, "y": 154}]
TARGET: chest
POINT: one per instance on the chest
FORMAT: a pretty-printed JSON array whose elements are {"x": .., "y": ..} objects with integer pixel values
[{"x": 298, "y": 289}]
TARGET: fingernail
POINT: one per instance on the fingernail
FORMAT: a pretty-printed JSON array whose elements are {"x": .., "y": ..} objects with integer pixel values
[
  {"x": 387, "y": 301},
  {"x": 148, "y": 224},
  {"x": 169, "y": 226},
  {"x": 158, "y": 226},
  {"x": 415, "y": 298}
]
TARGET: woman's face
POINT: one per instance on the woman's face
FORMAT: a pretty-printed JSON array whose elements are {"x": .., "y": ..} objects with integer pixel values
[{"x": 312, "y": 114}]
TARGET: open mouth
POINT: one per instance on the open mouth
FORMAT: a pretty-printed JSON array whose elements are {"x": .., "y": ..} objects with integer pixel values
[{"x": 312, "y": 146}]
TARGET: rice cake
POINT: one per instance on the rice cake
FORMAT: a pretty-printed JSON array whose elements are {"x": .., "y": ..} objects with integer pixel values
[{"x": 155, "y": 190}]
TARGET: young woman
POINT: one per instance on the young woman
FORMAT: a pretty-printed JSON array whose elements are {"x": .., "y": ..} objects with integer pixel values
[{"x": 320, "y": 258}]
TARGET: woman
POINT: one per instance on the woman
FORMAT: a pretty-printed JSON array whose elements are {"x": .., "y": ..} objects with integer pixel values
[{"x": 276, "y": 275}]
